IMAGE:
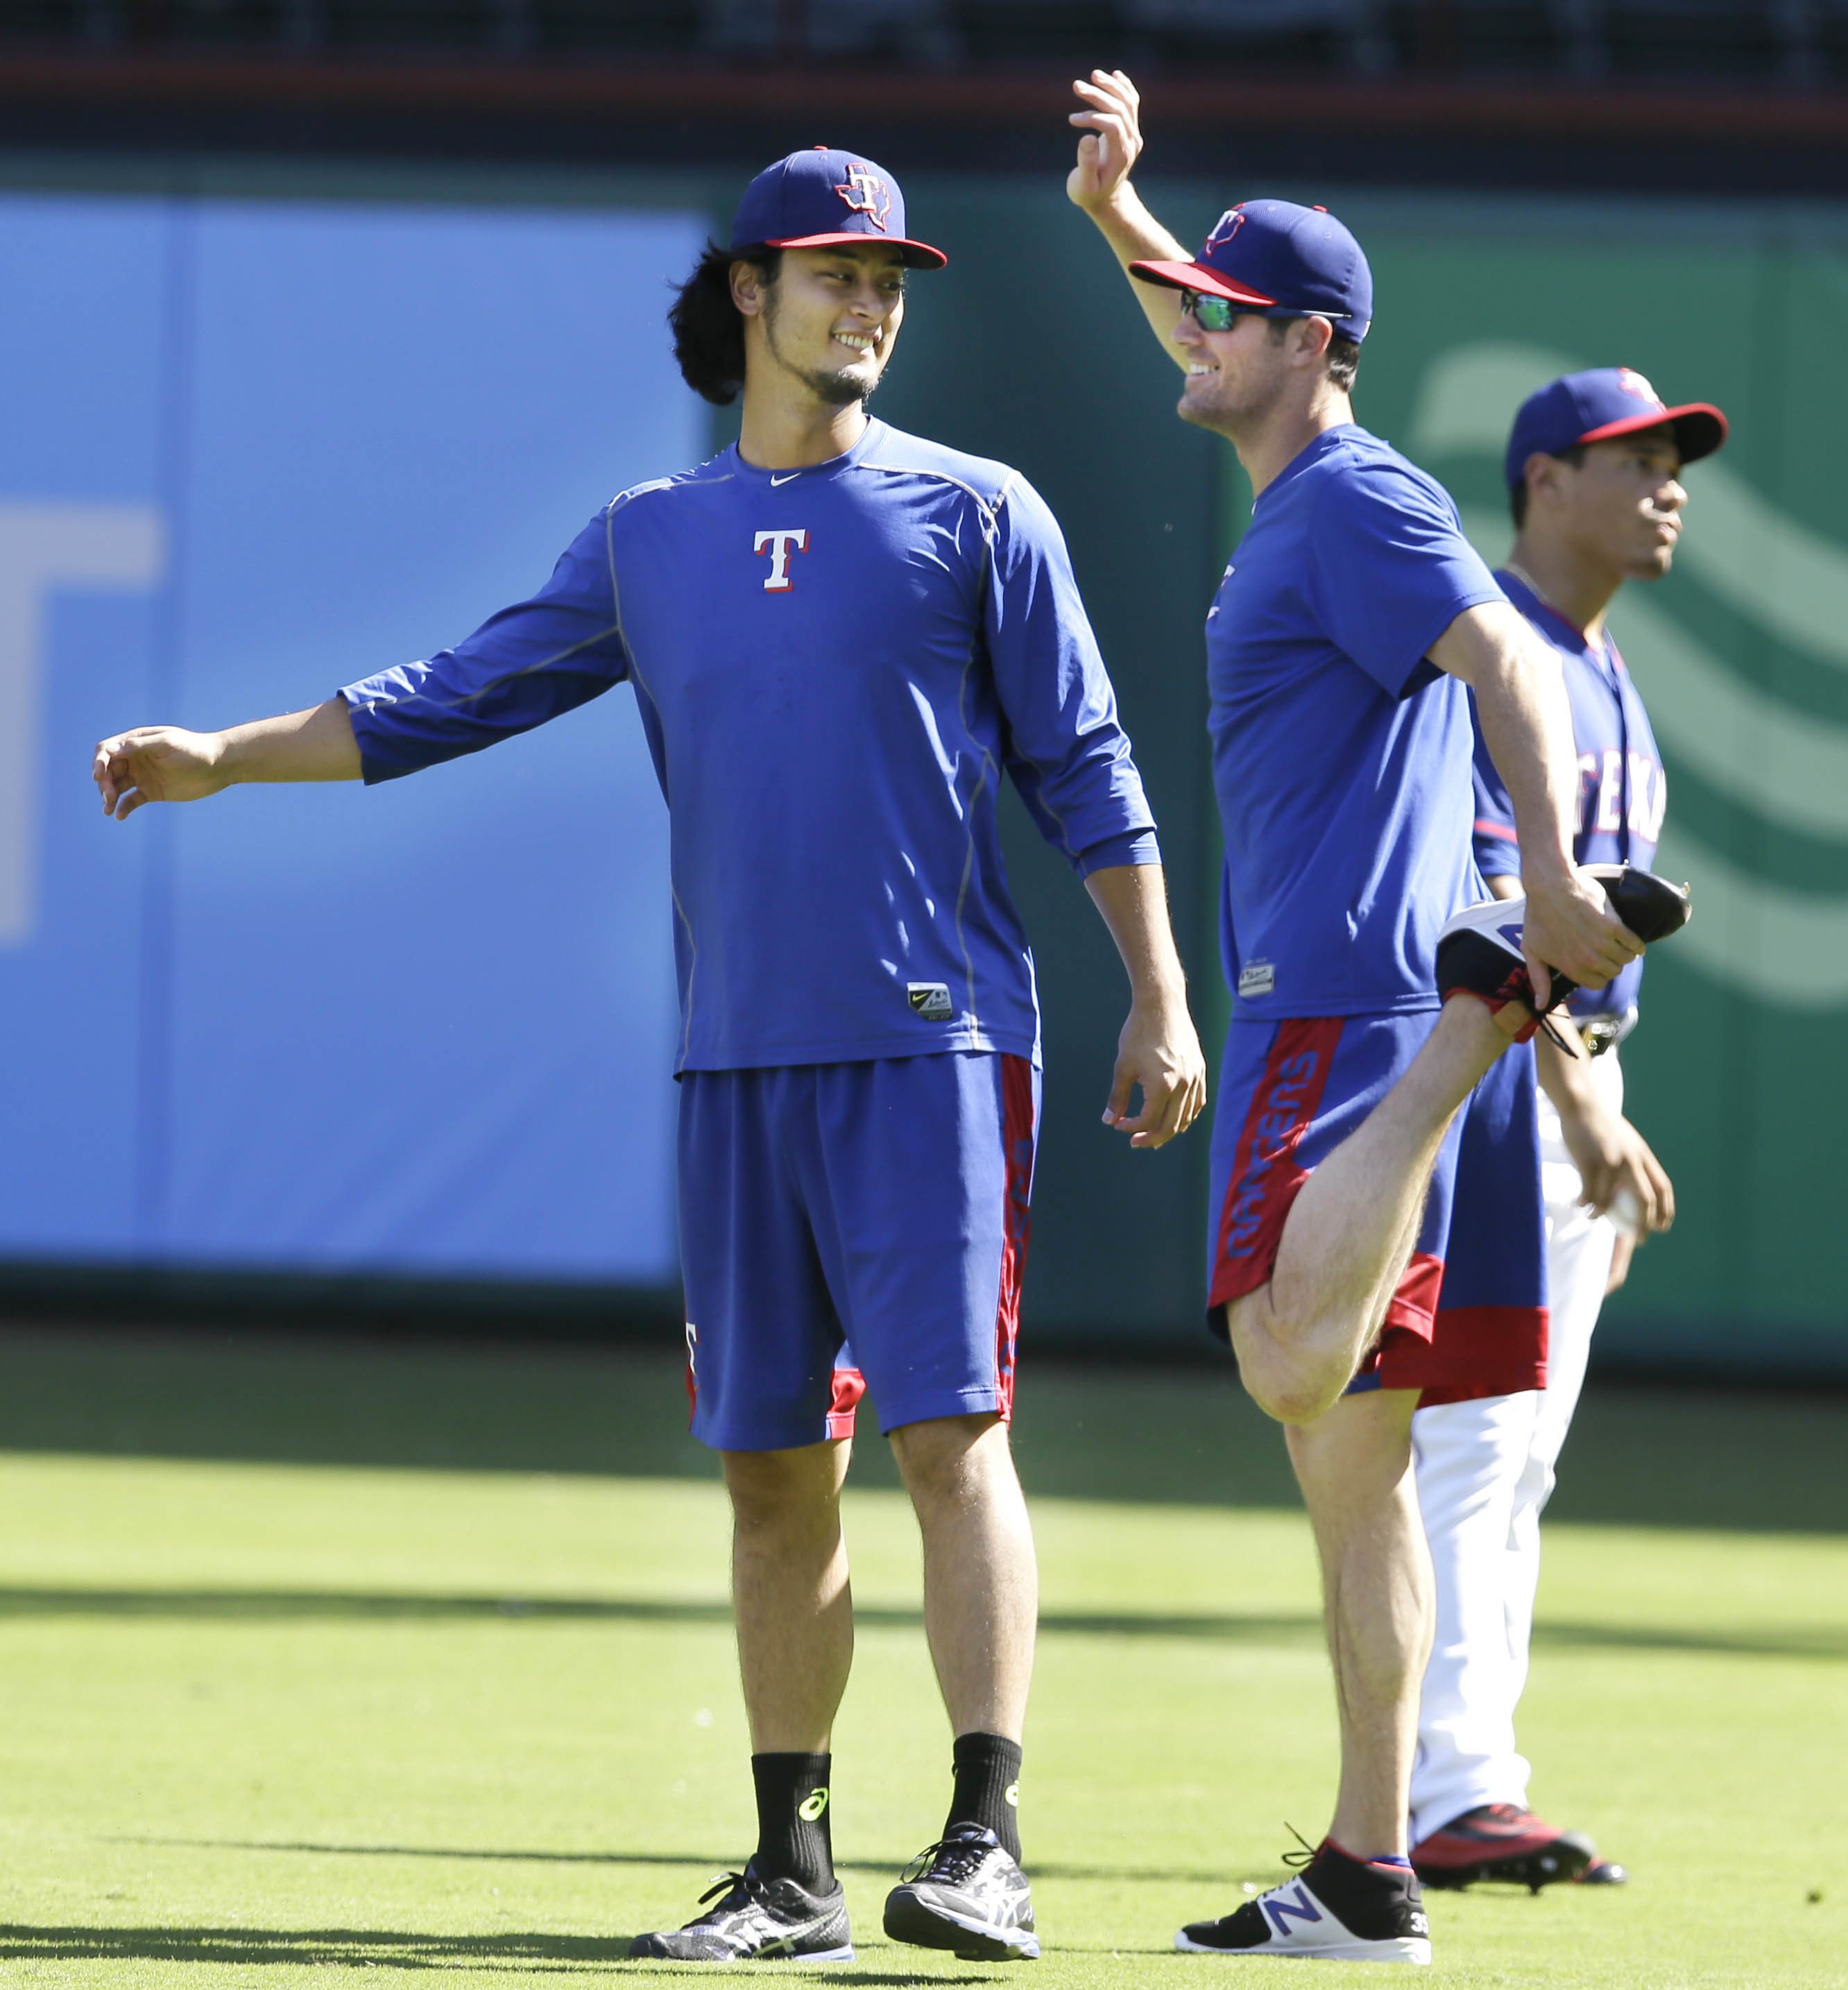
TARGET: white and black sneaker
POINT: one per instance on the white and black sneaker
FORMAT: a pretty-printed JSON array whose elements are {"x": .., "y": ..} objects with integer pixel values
[
  {"x": 1479, "y": 950},
  {"x": 1336, "y": 1910},
  {"x": 966, "y": 1894},
  {"x": 756, "y": 1919}
]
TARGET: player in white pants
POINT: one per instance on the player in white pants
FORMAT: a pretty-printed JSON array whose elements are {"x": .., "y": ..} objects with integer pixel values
[{"x": 1593, "y": 469}]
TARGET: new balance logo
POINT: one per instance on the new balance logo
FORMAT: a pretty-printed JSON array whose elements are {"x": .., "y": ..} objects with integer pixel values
[
  {"x": 780, "y": 545},
  {"x": 1283, "y": 1907}
]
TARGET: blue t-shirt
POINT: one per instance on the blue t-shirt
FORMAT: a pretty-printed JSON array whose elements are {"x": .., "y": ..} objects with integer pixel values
[
  {"x": 834, "y": 666},
  {"x": 1341, "y": 756},
  {"x": 1622, "y": 791}
]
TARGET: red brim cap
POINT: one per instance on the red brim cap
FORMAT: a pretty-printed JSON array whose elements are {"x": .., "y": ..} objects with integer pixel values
[
  {"x": 1197, "y": 277},
  {"x": 1700, "y": 428},
  {"x": 918, "y": 255}
]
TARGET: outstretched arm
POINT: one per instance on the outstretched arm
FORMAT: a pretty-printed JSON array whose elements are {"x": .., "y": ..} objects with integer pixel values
[
  {"x": 1520, "y": 702},
  {"x": 1111, "y": 124},
  {"x": 167, "y": 763},
  {"x": 1158, "y": 1049}
]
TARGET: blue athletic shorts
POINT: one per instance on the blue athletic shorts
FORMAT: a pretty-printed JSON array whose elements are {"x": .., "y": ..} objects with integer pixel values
[
  {"x": 845, "y": 1226},
  {"x": 1469, "y": 1317}
]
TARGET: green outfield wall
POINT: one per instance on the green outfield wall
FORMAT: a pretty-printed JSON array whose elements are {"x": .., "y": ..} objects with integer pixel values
[{"x": 1030, "y": 347}]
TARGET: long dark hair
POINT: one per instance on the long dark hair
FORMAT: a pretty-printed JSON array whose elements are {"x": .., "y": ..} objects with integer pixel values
[{"x": 708, "y": 330}]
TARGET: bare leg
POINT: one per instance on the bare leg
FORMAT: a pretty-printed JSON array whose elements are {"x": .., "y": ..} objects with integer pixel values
[
  {"x": 981, "y": 1582},
  {"x": 790, "y": 1590},
  {"x": 1350, "y": 1231},
  {"x": 1354, "y": 1464}
]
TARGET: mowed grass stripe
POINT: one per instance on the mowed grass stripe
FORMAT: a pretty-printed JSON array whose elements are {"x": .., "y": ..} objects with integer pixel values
[{"x": 487, "y": 1725}]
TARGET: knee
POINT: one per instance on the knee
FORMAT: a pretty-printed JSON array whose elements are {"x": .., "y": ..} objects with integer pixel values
[
  {"x": 947, "y": 1460},
  {"x": 1287, "y": 1384},
  {"x": 782, "y": 1493}
]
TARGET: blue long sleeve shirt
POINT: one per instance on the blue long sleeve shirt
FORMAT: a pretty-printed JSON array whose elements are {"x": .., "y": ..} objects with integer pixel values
[{"x": 835, "y": 666}]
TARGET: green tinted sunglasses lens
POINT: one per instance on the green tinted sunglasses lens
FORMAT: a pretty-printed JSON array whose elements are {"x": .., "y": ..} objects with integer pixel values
[{"x": 1210, "y": 313}]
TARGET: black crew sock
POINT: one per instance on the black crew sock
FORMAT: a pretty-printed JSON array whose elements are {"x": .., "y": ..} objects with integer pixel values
[
  {"x": 793, "y": 1839},
  {"x": 987, "y": 1787}
]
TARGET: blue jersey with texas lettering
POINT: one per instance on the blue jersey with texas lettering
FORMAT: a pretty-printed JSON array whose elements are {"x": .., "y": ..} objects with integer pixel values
[
  {"x": 835, "y": 666},
  {"x": 1341, "y": 755},
  {"x": 1622, "y": 791}
]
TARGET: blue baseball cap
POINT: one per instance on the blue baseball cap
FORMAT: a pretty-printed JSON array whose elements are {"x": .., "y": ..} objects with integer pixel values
[
  {"x": 820, "y": 198},
  {"x": 1605, "y": 402},
  {"x": 1281, "y": 261}
]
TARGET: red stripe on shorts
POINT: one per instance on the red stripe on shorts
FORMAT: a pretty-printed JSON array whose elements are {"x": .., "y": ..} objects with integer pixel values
[
  {"x": 849, "y": 1386},
  {"x": 692, "y": 1372},
  {"x": 1265, "y": 1177},
  {"x": 1017, "y": 1150},
  {"x": 1474, "y": 1351}
]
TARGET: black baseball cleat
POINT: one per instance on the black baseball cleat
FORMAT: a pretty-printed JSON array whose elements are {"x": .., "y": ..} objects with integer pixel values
[
  {"x": 1605, "y": 1872},
  {"x": 1479, "y": 950},
  {"x": 1504, "y": 1842},
  {"x": 757, "y": 1920},
  {"x": 1336, "y": 1910},
  {"x": 966, "y": 1894}
]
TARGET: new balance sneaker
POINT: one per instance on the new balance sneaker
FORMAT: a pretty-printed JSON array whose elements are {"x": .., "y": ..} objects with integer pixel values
[
  {"x": 965, "y": 1893},
  {"x": 1336, "y": 1910},
  {"x": 1478, "y": 951},
  {"x": 757, "y": 1918},
  {"x": 1503, "y": 1842}
]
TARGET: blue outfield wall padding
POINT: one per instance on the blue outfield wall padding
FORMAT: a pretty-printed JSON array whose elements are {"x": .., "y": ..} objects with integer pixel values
[{"x": 249, "y": 451}]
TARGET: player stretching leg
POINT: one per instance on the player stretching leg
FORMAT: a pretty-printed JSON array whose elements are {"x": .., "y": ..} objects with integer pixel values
[
  {"x": 1339, "y": 647},
  {"x": 1593, "y": 464},
  {"x": 838, "y": 637}
]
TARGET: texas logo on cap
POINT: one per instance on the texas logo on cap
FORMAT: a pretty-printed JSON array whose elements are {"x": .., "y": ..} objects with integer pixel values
[
  {"x": 822, "y": 199},
  {"x": 1279, "y": 259}
]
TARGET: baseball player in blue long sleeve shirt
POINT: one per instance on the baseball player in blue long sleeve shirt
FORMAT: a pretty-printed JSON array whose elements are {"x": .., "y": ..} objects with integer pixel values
[{"x": 841, "y": 639}]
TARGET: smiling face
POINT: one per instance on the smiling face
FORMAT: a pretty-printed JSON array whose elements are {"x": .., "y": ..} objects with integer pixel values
[
  {"x": 1619, "y": 508},
  {"x": 1235, "y": 379},
  {"x": 828, "y": 321}
]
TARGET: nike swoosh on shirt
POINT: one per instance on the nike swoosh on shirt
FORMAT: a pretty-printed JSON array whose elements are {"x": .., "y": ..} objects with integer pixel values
[{"x": 785, "y": 480}]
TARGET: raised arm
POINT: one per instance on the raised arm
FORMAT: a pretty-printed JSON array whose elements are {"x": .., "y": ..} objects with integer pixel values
[
  {"x": 167, "y": 763},
  {"x": 1099, "y": 183},
  {"x": 525, "y": 665},
  {"x": 1527, "y": 724}
]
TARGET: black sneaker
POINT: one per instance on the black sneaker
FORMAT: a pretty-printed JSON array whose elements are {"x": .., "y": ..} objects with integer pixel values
[
  {"x": 965, "y": 1893},
  {"x": 757, "y": 1918},
  {"x": 1479, "y": 950},
  {"x": 1336, "y": 1910}
]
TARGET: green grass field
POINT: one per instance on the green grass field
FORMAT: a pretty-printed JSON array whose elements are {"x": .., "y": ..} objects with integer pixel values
[{"x": 319, "y": 1658}]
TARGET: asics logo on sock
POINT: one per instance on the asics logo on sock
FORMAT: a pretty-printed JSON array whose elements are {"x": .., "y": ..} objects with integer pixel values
[
  {"x": 812, "y": 1805},
  {"x": 1281, "y": 1907}
]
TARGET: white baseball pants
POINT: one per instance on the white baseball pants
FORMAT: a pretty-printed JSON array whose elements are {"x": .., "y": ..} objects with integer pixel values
[{"x": 1485, "y": 1470}]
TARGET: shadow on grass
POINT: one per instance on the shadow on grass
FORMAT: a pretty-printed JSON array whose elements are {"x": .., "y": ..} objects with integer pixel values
[
  {"x": 366, "y": 1948},
  {"x": 1800, "y": 1641},
  {"x": 373, "y": 1948},
  {"x": 693, "y": 1861},
  {"x": 355, "y": 1947}
]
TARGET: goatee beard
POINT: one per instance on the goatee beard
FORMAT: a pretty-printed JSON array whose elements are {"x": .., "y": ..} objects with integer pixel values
[{"x": 833, "y": 389}]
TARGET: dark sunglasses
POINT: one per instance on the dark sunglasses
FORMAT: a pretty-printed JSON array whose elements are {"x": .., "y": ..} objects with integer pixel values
[{"x": 1211, "y": 313}]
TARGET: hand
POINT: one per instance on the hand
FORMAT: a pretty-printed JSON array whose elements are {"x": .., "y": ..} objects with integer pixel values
[
  {"x": 1613, "y": 1159},
  {"x": 1160, "y": 1052},
  {"x": 156, "y": 763},
  {"x": 1570, "y": 925},
  {"x": 1112, "y": 140},
  {"x": 1620, "y": 1257}
]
